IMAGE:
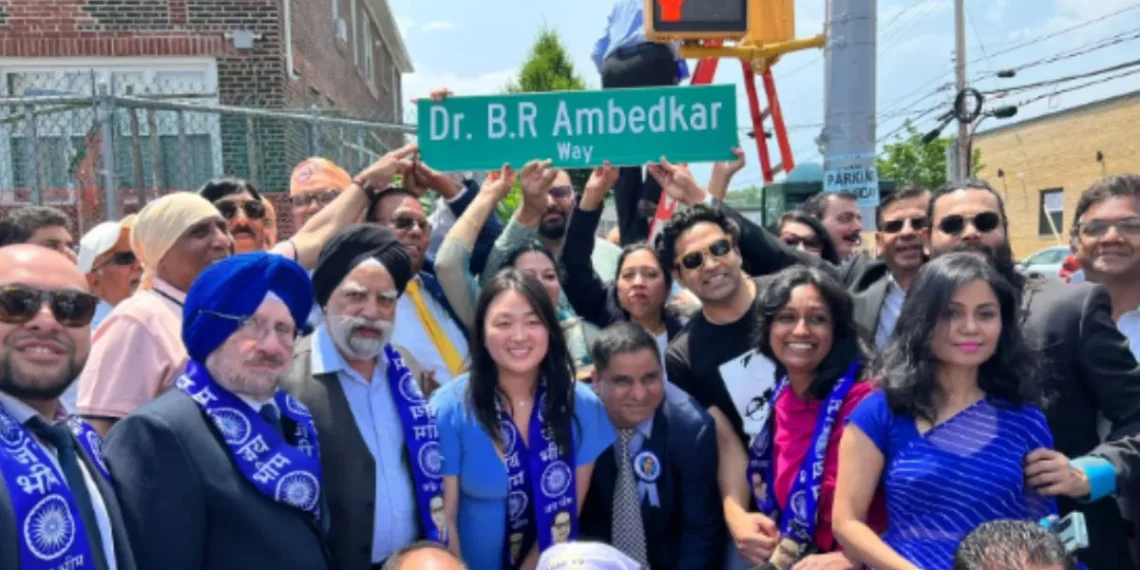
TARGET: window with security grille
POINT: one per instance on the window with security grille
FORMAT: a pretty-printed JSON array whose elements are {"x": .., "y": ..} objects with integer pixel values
[{"x": 1052, "y": 212}]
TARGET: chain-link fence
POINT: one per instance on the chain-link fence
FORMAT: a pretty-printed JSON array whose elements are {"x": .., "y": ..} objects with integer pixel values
[{"x": 101, "y": 149}]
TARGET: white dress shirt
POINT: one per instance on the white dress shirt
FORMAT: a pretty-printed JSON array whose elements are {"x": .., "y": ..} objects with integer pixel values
[
  {"x": 410, "y": 333},
  {"x": 21, "y": 412},
  {"x": 394, "y": 524},
  {"x": 889, "y": 312}
]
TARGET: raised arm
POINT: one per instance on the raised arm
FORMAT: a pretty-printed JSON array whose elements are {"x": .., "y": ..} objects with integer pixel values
[
  {"x": 722, "y": 173},
  {"x": 452, "y": 260},
  {"x": 536, "y": 179},
  {"x": 584, "y": 288}
]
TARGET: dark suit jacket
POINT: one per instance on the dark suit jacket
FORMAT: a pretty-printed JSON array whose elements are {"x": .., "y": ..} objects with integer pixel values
[
  {"x": 186, "y": 504},
  {"x": 868, "y": 291},
  {"x": 349, "y": 470},
  {"x": 687, "y": 531},
  {"x": 1089, "y": 369},
  {"x": 10, "y": 533}
]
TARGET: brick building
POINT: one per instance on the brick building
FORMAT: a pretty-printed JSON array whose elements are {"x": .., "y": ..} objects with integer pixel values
[
  {"x": 1042, "y": 165},
  {"x": 344, "y": 57}
]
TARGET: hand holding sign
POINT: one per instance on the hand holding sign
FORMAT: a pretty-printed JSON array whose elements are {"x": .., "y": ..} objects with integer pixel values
[
  {"x": 429, "y": 178},
  {"x": 499, "y": 182},
  {"x": 600, "y": 182},
  {"x": 537, "y": 178},
  {"x": 722, "y": 173},
  {"x": 677, "y": 182}
]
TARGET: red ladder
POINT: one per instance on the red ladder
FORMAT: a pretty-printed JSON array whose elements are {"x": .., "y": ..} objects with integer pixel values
[{"x": 703, "y": 75}]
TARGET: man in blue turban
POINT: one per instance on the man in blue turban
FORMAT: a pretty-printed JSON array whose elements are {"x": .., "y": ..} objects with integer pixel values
[{"x": 227, "y": 444}]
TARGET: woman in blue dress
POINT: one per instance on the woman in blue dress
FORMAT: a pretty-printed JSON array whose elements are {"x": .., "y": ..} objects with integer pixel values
[
  {"x": 949, "y": 432},
  {"x": 518, "y": 435}
]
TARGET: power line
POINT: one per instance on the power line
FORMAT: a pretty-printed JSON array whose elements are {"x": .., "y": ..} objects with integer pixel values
[
  {"x": 1062, "y": 31},
  {"x": 1096, "y": 45},
  {"x": 1077, "y": 87},
  {"x": 1065, "y": 79}
]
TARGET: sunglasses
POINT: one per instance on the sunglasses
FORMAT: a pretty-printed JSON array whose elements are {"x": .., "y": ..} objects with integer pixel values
[
  {"x": 1129, "y": 226},
  {"x": 322, "y": 198},
  {"x": 716, "y": 249},
  {"x": 254, "y": 209},
  {"x": 405, "y": 222},
  {"x": 122, "y": 258},
  {"x": 955, "y": 224},
  {"x": 896, "y": 226},
  {"x": 561, "y": 192},
  {"x": 20, "y": 304},
  {"x": 808, "y": 242}
]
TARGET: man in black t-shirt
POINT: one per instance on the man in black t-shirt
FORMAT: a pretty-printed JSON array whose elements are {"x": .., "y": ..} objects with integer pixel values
[{"x": 714, "y": 360}]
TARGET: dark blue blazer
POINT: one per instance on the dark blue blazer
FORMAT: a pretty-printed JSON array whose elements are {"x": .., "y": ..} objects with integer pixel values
[
  {"x": 186, "y": 504},
  {"x": 687, "y": 531}
]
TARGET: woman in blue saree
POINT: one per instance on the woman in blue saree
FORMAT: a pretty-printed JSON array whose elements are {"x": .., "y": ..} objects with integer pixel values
[{"x": 949, "y": 431}]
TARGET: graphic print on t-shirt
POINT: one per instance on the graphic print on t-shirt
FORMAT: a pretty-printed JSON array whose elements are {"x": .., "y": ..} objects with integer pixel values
[{"x": 750, "y": 379}]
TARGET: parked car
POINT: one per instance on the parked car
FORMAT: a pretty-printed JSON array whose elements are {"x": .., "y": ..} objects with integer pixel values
[{"x": 1046, "y": 262}]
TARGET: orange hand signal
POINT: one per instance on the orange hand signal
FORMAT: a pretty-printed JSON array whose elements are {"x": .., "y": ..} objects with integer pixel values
[{"x": 670, "y": 10}]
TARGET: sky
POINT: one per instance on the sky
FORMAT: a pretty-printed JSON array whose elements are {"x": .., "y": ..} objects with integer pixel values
[{"x": 472, "y": 49}]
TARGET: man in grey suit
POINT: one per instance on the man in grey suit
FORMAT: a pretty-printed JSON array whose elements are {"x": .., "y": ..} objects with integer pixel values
[
  {"x": 57, "y": 506},
  {"x": 222, "y": 472},
  {"x": 380, "y": 449}
]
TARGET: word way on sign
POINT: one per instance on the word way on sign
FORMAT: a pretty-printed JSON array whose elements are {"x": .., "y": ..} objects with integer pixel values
[{"x": 580, "y": 128}]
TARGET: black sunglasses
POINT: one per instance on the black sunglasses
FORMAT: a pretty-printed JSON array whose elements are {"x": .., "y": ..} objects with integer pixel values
[
  {"x": 254, "y": 209},
  {"x": 20, "y": 304},
  {"x": 896, "y": 226},
  {"x": 121, "y": 258},
  {"x": 984, "y": 222},
  {"x": 717, "y": 249},
  {"x": 1129, "y": 226},
  {"x": 405, "y": 222},
  {"x": 808, "y": 242},
  {"x": 561, "y": 192},
  {"x": 322, "y": 198}
]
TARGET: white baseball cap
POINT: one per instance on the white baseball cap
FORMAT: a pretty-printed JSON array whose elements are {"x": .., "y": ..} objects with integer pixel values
[
  {"x": 585, "y": 556},
  {"x": 99, "y": 240}
]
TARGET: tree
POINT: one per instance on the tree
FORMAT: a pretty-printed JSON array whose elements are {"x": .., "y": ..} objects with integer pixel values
[
  {"x": 909, "y": 161},
  {"x": 548, "y": 67},
  {"x": 751, "y": 195}
]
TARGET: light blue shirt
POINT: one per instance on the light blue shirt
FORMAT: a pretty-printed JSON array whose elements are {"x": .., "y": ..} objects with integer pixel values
[
  {"x": 395, "y": 522},
  {"x": 470, "y": 454},
  {"x": 626, "y": 27},
  {"x": 101, "y": 311},
  {"x": 889, "y": 312}
]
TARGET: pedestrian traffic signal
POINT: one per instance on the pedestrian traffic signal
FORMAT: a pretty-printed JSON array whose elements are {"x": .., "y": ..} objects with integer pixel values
[{"x": 696, "y": 19}]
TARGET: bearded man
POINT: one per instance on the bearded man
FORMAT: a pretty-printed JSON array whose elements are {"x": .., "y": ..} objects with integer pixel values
[{"x": 380, "y": 448}]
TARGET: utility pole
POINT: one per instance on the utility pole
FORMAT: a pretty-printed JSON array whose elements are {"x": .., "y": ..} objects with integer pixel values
[
  {"x": 963, "y": 142},
  {"x": 848, "y": 137}
]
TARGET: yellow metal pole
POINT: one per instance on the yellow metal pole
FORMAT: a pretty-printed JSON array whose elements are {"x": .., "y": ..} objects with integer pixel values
[{"x": 752, "y": 52}]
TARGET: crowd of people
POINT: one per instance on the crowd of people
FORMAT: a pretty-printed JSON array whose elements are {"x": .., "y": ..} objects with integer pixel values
[{"x": 389, "y": 389}]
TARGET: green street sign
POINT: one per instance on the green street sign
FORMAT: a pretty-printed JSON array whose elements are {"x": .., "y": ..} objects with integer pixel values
[{"x": 579, "y": 129}]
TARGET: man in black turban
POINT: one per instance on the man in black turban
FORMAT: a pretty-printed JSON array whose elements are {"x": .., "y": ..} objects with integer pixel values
[{"x": 348, "y": 370}]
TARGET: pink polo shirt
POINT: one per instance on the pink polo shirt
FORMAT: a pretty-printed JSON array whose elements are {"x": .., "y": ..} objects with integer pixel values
[
  {"x": 136, "y": 353},
  {"x": 795, "y": 427}
]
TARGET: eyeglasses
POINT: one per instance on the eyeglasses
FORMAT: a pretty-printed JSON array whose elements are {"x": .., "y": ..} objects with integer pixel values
[
  {"x": 122, "y": 258},
  {"x": 808, "y": 242},
  {"x": 321, "y": 198},
  {"x": 1129, "y": 226},
  {"x": 955, "y": 224},
  {"x": 716, "y": 249},
  {"x": 405, "y": 222},
  {"x": 258, "y": 329},
  {"x": 254, "y": 209},
  {"x": 896, "y": 226},
  {"x": 561, "y": 192},
  {"x": 20, "y": 304}
]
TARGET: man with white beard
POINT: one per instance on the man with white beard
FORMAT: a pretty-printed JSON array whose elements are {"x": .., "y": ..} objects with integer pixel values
[{"x": 379, "y": 444}]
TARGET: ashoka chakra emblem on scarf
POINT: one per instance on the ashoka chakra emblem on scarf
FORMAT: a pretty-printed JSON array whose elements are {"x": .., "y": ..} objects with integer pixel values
[
  {"x": 299, "y": 489},
  {"x": 555, "y": 479},
  {"x": 409, "y": 390},
  {"x": 10, "y": 431},
  {"x": 517, "y": 502},
  {"x": 296, "y": 407},
  {"x": 431, "y": 461},
  {"x": 233, "y": 424},
  {"x": 49, "y": 529},
  {"x": 510, "y": 436}
]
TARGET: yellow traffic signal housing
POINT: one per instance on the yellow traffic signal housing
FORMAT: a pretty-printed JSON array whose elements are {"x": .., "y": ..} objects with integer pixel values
[{"x": 758, "y": 21}]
